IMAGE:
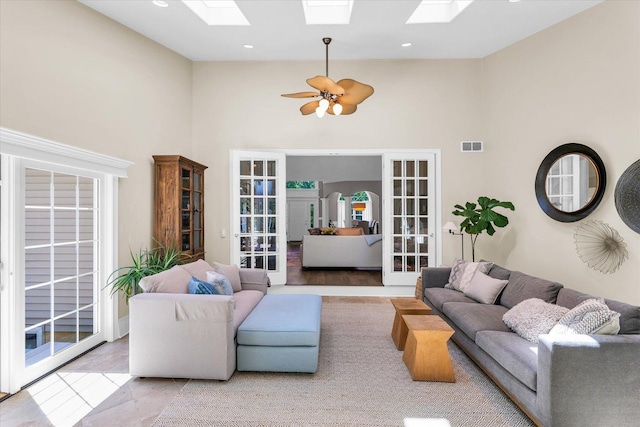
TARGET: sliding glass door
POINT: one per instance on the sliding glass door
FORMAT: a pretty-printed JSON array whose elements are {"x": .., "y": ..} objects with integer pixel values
[{"x": 61, "y": 252}]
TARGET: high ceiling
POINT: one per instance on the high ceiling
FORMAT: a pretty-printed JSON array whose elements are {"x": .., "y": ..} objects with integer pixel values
[{"x": 376, "y": 30}]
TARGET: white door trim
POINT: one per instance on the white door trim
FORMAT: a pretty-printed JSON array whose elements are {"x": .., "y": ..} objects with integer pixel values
[{"x": 437, "y": 260}]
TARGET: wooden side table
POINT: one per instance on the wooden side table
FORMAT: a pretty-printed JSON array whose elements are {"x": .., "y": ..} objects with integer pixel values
[
  {"x": 426, "y": 354},
  {"x": 405, "y": 306}
]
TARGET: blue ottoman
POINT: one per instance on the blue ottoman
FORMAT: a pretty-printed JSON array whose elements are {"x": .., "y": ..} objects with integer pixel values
[{"x": 281, "y": 334}]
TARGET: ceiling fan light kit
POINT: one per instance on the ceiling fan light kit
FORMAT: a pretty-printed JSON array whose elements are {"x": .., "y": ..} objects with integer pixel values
[{"x": 337, "y": 99}]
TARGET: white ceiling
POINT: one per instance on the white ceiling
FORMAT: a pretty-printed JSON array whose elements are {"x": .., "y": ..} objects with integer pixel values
[{"x": 377, "y": 29}]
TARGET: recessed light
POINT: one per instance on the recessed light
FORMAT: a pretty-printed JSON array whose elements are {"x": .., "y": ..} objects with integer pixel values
[
  {"x": 247, "y": 46},
  {"x": 160, "y": 3},
  {"x": 405, "y": 44}
]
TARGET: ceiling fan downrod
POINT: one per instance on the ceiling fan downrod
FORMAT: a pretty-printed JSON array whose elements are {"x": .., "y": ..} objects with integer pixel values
[{"x": 326, "y": 41}]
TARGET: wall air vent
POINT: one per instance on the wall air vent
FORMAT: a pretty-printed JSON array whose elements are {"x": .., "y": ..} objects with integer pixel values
[{"x": 471, "y": 146}]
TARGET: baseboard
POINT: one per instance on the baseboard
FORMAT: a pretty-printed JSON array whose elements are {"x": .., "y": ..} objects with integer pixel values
[{"x": 123, "y": 326}]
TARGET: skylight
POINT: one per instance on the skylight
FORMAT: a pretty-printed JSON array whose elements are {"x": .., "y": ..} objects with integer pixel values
[
  {"x": 217, "y": 12},
  {"x": 438, "y": 11},
  {"x": 327, "y": 12}
]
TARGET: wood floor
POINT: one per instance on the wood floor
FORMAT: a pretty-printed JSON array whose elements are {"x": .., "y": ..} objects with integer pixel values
[{"x": 296, "y": 275}]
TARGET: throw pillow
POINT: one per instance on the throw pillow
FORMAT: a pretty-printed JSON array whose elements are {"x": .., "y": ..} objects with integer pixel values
[
  {"x": 197, "y": 269},
  {"x": 231, "y": 272},
  {"x": 484, "y": 288},
  {"x": 533, "y": 317},
  {"x": 219, "y": 281},
  {"x": 197, "y": 286},
  {"x": 592, "y": 316},
  {"x": 462, "y": 272},
  {"x": 349, "y": 231},
  {"x": 172, "y": 281}
]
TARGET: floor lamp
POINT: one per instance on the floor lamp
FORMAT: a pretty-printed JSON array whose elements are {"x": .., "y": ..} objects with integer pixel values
[{"x": 451, "y": 228}]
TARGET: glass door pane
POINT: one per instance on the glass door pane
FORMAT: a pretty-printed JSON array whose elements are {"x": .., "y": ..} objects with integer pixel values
[
  {"x": 259, "y": 212},
  {"x": 61, "y": 290},
  {"x": 408, "y": 216}
]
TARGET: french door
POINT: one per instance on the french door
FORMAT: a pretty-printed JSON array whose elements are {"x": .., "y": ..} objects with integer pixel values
[
  {"x": 410, "y": 218},
  {"x": 258, "y": 209}
]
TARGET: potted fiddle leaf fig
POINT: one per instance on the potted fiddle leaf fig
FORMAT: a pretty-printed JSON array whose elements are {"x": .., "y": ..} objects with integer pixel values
[
  {"x": 145, "y": 263},
  {"x": 482, "y": 217}
]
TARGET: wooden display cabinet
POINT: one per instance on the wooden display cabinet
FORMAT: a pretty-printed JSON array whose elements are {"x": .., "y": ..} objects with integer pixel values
[{"x": 178, "y": 219}]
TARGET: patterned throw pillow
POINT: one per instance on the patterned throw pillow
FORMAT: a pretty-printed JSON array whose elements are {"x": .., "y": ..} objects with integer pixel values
[
  {"x": 592, "y": 316},
  {"x": 533, "y": 317},
  {"x": 197, "y": 286},
  {"x": 462, "y": 272},
  {"x": 220, "y": 281}
]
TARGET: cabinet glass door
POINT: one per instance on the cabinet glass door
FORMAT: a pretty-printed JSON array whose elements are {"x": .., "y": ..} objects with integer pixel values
[
  {"x": 198, "y": 212},
  {"x": 185, "y": 207}
]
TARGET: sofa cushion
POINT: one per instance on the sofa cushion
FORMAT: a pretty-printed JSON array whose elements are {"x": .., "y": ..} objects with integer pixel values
[
  {"x": 245, "y": 302},
  {"x": 629, "y": 314},
  {"x": 231, "y": 272},
  {"x": 513, "y": 353},
  {"x": 253, "y": 276},
  {"x": 522, "y": 287},
  {"x": 484, "y": 289},
  {"x": 438, "y": 296},
  {"x": 283, "y": 321},
  {"x": 474, "y": 317},
  {"x": 533, "y": 317},
  {"x": 197, "y": 286},
  {"x": 498, "y": 272},
  {"x": 220, "y": 282},
  {"x": 172, "y": 281},
  {"x": 198, "y": 269},
  {"x": 462, "y": 272},
  {"x": 589, "y": 317}
]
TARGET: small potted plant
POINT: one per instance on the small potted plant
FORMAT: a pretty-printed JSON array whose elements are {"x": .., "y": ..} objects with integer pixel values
[
  {"x": 145, "y": 263},
  {"x": 480, "y": 217}
]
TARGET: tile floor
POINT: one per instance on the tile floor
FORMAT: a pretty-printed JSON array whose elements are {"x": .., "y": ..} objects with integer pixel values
[
  {"x": 94, "y": 390},
  {"x": 97, "y": 390}
]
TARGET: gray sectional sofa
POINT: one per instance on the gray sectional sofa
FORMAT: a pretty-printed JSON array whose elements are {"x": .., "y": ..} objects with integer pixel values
[{"x": 564, "y": 379}]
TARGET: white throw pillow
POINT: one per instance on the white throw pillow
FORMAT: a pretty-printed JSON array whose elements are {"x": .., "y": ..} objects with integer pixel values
[
  {"x": 533, "y": 317},
  {"x": 589, "y": 317},
  {"x": 484, "y": 289},
  {"x": 231, "y": 272}
]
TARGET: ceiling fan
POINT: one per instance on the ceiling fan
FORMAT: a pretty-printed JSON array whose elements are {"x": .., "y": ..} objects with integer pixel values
[{"x": 335, "y": 98}]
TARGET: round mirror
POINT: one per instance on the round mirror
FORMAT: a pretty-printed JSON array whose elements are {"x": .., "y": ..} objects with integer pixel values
[{"x": 570, "y": 182}]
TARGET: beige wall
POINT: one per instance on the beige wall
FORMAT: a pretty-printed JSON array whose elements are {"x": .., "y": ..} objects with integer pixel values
[
  {"x": 69, "y": 74},
  {"x": 74, "y": 76},
  {"x": 428, "y": 104},
  {"x": 578, "y": 81}
]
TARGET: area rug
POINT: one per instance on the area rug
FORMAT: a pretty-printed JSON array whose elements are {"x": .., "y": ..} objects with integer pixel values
[{"x": 361, "y": 381}]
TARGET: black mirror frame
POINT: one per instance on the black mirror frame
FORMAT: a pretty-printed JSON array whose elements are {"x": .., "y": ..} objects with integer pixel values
[{"x": 541, "y": 180}]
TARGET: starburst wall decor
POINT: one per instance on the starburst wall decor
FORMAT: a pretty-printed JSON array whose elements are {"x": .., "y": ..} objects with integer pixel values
[{"x": 600, "y": 246}]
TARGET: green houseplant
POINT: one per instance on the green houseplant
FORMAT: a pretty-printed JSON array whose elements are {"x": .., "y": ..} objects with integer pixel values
[
  {"x": 144, "y": 263},
  {"x": 481, "y": 217}
]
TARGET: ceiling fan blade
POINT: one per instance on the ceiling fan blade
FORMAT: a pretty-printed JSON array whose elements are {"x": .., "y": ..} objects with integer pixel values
[
  {"x": 309, "y": 108},
  {"x": 346, "y": 109},
  {"x": 354, "y": 92},
  {"x": 301, "y": 94},
  {"x": 323, "y": 83}
]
